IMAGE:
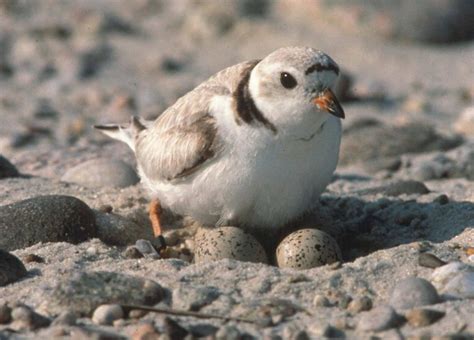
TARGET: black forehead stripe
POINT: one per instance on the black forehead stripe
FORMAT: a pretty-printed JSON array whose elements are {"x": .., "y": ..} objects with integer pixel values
[{"x": 320, "y": 67}]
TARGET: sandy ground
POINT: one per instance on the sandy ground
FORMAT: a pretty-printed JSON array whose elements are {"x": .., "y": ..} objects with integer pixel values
[{"x": 67, "y": 65}]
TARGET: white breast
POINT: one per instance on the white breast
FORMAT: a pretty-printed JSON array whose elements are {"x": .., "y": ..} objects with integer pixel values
[{"x": 259, "y": 180}]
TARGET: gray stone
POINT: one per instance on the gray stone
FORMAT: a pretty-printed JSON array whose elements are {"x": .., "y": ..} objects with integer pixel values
[
  {"x": 430, "y": 261},
  {"x": 7, "y": 169},
  {"x": 413, "y": 292},
  {"x": 119, "y": 231},
  {"x": 174, "y": 330},
  {"x": 45, "y": 219},
  {"x": 107, "y": 314},
  {"x": 11, "y": 268},
  {"x": 378, "y": 319},
  {"x": 360, "y": 304},
  {"x": 66, "y": 318},
  {"x": 460, "y": 286},
  {"x": 194, "y": 297},
  {"x": 98, "y": 173},
  {"x": 83, "y": 292},
  {"x": 24, "y": 318},
  {"x": 358, "y": 142},
  {"x": 228, "y": 332}
]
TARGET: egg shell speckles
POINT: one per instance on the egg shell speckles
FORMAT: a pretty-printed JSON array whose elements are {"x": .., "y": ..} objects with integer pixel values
[
  {"x": 307, "y": 248},
  {"x": 227, "y": 243}
]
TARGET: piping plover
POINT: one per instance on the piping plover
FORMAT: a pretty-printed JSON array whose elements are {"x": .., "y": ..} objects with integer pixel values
[{"x": 254, "y": 145}]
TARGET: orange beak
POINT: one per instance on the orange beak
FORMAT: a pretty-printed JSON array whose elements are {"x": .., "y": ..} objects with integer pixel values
[{"x": 328, "y": 102}]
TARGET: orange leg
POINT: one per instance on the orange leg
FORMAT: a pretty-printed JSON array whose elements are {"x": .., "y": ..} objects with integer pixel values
[{"x": 154, "y": 213}]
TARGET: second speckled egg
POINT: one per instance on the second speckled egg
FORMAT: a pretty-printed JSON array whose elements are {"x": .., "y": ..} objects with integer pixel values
[
  {"x": 213, "y": 244},
  {"x": 307, "y": 248}
]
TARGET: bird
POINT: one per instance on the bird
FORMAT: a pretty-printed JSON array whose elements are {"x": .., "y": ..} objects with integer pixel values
[{"x": 255, "y": 145}]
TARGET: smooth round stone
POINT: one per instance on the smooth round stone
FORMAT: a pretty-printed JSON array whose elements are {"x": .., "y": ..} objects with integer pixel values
[
  {"x": 107, "y": 314},
  {"x": 11, "y": 268},
  {"x": 413, "y": 292},
  {"x": 98, "y": 173},
  {"x": 307, "y": 248},
  {"x": 378, "y": 319},
  {"x": 442, "y": 275},
  {"x": 52, "y": 218},
  {"x": 7, "y": 169},
  {"x": 461, "y": 286},
  {"x": 227, "y": 243}
]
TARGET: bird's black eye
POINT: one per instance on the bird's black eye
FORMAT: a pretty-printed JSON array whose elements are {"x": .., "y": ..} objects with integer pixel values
[{"x": 287, "y": 80}]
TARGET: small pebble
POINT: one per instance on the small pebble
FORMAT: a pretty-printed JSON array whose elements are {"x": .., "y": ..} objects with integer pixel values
[
  {"x": 24, "y": 318},
  {"x": 106, "y": 208},
  {"x": 107, "y": 314},
  {"x": 33, "y": 258},
  {"x": 423, "y": 317},
  {"x": 360, "y": 304},
  {"x": 378, "y": 319},
  {"x": 5, "y": 314},
  {"x": 132, "y": 253},
  {"x": 321, "y": 301},
  {"x": 430, "y": 261},
  {"x": 413, "y": 292},
  {"x": 441, "y": 199},
  {"x": 146, "y": 248},
  {"x": 307, "y": 248},
  {"x": 213, "y": 244},
  {"x": 66, "y": 318},
  {"x": 11, "y": 268},
  {"x": 7, "y": 169}
]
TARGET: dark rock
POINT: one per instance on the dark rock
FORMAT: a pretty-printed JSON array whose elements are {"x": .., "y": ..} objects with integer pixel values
[
  {"x": 51, "y": 218},
  {"x": 99, "y": 173},
  {"x": 377, "y": 141},
  {"x": 83, "y": 292},
  {"x": 441, "y": 199},
  {"x": 413, "y": 292},
  {"x": 33, "y": 258},
  {"x": 174, "y": 330},
  {"x": 120, "y": 231},
  {"x": 430, "y": 261},
  {"x": 379, "y": 319},
  {"x": 11, "y": 268},
  {"x": 423, "y": 317},
  {"x": 5, "y": 314},
  {"x": 7, "y": 169}
]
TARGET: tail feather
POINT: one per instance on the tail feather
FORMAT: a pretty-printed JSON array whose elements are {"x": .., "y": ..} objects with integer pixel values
[{"x": 124, "y": 133}]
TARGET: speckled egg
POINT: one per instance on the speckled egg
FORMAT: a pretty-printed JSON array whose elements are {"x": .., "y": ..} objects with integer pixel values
[
  {"x": 213, "y": 244},
  {"x": 307, "y": 248}
]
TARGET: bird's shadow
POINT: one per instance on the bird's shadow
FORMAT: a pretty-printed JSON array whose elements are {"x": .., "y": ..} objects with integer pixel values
[{"x": 362, "y": 226}]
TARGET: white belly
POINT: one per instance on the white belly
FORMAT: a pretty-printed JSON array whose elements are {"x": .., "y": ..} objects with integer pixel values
[{"x": 257, "y": 186}]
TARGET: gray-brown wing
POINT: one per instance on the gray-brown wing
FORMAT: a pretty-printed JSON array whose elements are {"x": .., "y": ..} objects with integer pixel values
[
  {"x": 178, "y": 151},
  {"x": 184, "y": 137}
]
